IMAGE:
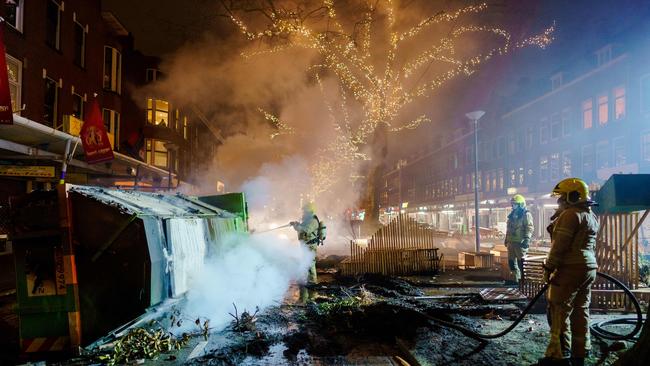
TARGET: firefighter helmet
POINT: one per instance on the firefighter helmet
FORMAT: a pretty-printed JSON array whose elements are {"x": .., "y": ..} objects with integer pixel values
[
  {"x": 573, "y": 190},
  {"x": 309, "y": 207},
  {"x": 518, "y": 199}
]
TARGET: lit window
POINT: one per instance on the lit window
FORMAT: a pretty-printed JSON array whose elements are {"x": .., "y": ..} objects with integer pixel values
[
  {"x": 185, "y": 128},
  {"x": 112, "y": 124},
  {"x": 587, "y": 113},
  {"x": 112, "y": 69},
  {"x": 53, "y": 24},
  {"x": 603, "y": 109},
  {"x": 77, "y": 106},
  {"x": 79, "y": 44},
  {"x": 14, "y": 13},
  {"x": 158, "y": 112},
  {"x": 157, "y": 153},
  {"x": 619, "y": 102},
  {"x": 50, "y": 105},
  {"x": 15, "y": 73}
]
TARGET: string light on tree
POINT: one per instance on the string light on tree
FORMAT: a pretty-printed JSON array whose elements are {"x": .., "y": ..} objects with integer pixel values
[{"x": 378, "y": 66}]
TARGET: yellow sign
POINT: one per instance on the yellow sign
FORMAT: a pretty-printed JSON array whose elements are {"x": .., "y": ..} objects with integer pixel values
[
  {"x": 72, "y": 125},
  {"x": 27, "y": 171}
]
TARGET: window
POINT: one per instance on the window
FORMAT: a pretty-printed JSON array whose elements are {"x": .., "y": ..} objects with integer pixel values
[
  {"x": 555, "y": 166},
  {"x": 543, "y": 131},
  {"x": 177, "y": 121},
  {"x": 567, "y": 123},
  {"x": 185, "y": 127},
  {"x": 620, "y": 151},
  {"x": 587, "y": 113},
  {"x": 79, "y": 44},
  {"x": 158, "y": 112},
  {"x": 530, "y": 136},
  {"x": 602, "y": 155},
  {"x": 14, "y": 13},
  {"x": 645, "y": 147},
  {"x": 543, "y": 168},
  {"x": 15, "y": 74},
  {"x": 556, "y": 126},
  {"x": 619, "y": 102},
  {"x": 603, "y": 109},
  {"x": 112, "y": 69},
  {"x": 587, "y": 159},
  {"x": 645, "y": 94},
  {"x": 112, "y": 124},
  {"x": 50, "y": 102},
  {"x": 153, "y": 75},
  {"x": 566, "y": 164},
  {"x": 500, "y": 179},
  {"x": 521, "y": 176},
  {"x": 156, "y": 153},
  {"x": 77, "y": 106},
  {"x": 53, "y": 24}
]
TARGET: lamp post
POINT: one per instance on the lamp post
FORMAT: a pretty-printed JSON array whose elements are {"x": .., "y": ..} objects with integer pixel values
[{"x": 475, "y": 116}]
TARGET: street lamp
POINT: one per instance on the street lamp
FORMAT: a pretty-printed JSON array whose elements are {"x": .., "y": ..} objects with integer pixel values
[{"x": 475, "y": 116}]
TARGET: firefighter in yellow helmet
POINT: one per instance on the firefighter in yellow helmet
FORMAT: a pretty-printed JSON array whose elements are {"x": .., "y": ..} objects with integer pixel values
[
  {"x": 571, "y": 269},
  {"x": 311, "y": 232},
  {"x": 518, "y": 233}
]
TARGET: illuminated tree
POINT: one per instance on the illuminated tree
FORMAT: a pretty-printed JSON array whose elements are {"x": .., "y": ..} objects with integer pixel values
[{"x": 381, "y": 65}]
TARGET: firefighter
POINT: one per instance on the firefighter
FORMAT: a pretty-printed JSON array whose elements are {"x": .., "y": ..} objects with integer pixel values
[
  {"x": 311, "y": 232},
  {"x": 519, "y": 231},
  {"x": 571, "y": 270}
]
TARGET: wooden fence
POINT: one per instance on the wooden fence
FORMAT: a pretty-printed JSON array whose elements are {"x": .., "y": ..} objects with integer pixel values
[
  {"x": 401, "y": 247},
  {"x": 617, "y": 253}
]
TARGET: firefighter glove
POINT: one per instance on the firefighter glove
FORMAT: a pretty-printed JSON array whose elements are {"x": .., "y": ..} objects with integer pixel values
[{"x": 548, "y": 273}]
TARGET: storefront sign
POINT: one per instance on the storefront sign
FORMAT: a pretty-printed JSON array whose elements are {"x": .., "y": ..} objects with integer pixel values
[
  {"x": 27, "y": 171},
  {"x": 94, "y": 137},
  {"x": 6, "y": 114}
]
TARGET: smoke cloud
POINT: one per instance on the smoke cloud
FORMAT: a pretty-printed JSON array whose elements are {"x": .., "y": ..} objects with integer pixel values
[{"x": 248, "y": 271}]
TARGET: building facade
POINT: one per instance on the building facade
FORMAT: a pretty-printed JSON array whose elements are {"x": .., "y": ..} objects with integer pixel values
[
  {"x": 592, "y": 123},
  {"x": 63, "y": 55}
]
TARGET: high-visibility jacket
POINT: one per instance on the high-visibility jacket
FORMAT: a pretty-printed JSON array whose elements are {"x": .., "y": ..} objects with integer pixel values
[
  {"x": 520, "y": 226},
  {"x": 574, "y": 238}
]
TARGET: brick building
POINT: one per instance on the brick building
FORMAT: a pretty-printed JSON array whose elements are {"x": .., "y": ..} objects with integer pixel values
[
  {"x": 592, "y": 121},
  {"x": 63, "y": 54}
]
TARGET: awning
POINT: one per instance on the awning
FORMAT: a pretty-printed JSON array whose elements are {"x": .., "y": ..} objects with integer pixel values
[{"x": 33, "y": 140}]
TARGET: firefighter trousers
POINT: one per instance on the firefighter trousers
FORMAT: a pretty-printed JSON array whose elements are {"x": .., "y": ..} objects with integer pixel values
[
  {"x": 569, "y": 296},
  {"x": 515, "y": 255}
]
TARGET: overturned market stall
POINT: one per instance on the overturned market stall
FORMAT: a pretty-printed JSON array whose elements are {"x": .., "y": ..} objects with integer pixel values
[{"x": 130, "y": 251}]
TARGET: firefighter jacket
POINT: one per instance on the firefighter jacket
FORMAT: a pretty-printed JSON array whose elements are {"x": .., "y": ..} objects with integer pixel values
[
  {"x": 308, "y": 230},
  {"x": 574, "y": 238},
  {"x": 520, "y": 226}
]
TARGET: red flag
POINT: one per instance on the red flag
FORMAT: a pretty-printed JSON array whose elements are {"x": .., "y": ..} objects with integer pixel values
[
  {"x": 6, "y": 114},
  {"x": 94, "y": 137}
]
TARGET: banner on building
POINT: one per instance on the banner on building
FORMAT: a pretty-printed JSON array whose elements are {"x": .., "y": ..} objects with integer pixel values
[
  {"x": 6, "y": 114},
  {"x": 94, "y": 137}
]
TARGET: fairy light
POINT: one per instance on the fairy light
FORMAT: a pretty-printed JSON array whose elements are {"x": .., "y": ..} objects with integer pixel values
[{"x": 381, "y": 92}]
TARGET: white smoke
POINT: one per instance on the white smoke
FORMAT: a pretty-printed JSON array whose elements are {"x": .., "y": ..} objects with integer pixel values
[{"x": 248, "y": 271}]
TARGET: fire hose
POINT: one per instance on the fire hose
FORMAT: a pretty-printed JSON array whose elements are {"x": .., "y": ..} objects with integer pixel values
[{"x": 596, "y": 329}]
